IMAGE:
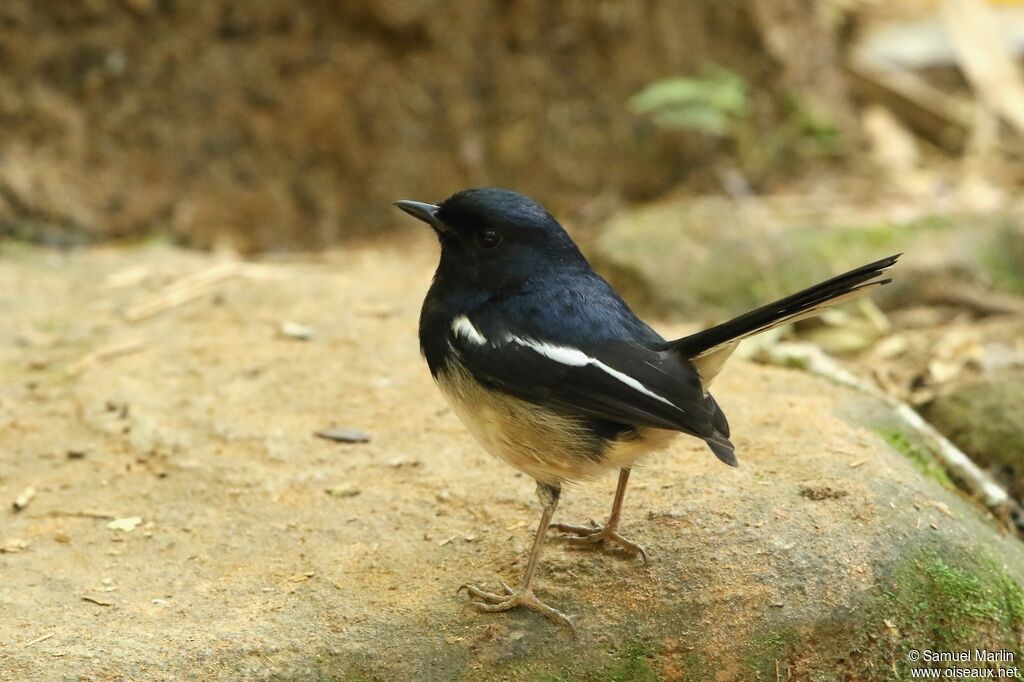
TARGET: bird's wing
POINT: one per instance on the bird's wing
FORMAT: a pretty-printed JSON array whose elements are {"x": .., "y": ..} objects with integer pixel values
[{"x": 620, "y": 382}]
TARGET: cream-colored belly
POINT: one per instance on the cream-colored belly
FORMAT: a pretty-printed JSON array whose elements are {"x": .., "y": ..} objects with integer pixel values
[{"x": 549, "y": 447}]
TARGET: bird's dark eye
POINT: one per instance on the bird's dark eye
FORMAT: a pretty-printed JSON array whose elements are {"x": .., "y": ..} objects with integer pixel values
[{"x": 487, "y": 239}]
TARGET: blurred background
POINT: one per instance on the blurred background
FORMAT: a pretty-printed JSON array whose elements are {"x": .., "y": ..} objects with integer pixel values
[
  {"x": 273, "y": 125},
  {"x": 709, "y": 156}
]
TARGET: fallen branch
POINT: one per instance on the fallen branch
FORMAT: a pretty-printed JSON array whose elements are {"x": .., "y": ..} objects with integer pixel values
[
  {"x": 984, "y": 58},
  {"x": 975, "y": 480},
  {"x": 196, "y": 285},
  {"x": 946, "y": 120}
]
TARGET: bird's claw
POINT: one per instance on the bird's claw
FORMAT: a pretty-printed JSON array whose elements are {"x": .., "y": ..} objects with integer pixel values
[
  {"x": 489, "y": 602},
  {"x": 596, "y": 534}
]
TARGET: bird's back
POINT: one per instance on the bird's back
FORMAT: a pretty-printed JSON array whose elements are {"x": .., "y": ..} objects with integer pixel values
[{"x": 545, "y": 414}]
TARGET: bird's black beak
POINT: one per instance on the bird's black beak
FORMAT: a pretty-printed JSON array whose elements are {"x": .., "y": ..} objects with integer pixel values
[{"x": 425, "y": 212}]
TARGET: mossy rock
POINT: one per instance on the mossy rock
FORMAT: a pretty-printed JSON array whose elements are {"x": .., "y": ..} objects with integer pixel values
[
  {"x": 936, "y": 597},
  {"x": 985, "y": 418},
  {"x": 713, "y": 257}
]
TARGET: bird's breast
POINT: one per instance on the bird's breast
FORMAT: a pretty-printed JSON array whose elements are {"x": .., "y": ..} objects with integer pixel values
[{"x": 549, "y": 446}]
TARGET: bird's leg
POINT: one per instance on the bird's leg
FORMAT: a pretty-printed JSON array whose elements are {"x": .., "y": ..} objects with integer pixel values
[
  {"x": 595, "y": 534},
  {"x": 490, "y": 602}
]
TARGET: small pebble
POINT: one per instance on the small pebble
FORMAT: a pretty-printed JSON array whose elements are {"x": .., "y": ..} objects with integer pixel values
[
  {"x": 13, "y": 546},
  {"x": 343, "y": 490},
  {"x": 126, "y": 524},
  {"x": 22, "y": 500},
  {"x": 294, "y": 330}
]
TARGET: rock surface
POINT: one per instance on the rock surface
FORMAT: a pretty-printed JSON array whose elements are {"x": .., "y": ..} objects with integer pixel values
[
  {"x": 715, "y": 256},
  {"x": 261, "y": 551},
  {"x": 985, "y": 418}
]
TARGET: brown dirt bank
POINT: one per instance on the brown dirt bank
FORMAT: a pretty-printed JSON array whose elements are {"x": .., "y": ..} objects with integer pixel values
[{"x": 284, "y": 125}]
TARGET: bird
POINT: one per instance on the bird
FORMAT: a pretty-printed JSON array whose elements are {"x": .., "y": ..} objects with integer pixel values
[{"x": 553, "y": 373}]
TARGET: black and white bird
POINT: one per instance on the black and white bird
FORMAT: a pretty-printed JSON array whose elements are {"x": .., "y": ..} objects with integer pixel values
[{"x": 553, "y": 373}]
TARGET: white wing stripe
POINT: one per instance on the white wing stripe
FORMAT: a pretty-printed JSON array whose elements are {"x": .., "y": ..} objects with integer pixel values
[
  {"x": 461, "y": 326},
  {"x": 577, "y": 358}
]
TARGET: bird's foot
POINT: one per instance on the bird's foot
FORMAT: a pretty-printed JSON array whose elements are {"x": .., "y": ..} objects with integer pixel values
[
  {"x": 595, "y": 534},
  {"x": 492, "y": 603}
]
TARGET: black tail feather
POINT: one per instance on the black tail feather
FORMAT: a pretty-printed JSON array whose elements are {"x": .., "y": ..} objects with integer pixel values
[
  {"x": 784, "y": 309},
  {"x": 723, "y": 449}
]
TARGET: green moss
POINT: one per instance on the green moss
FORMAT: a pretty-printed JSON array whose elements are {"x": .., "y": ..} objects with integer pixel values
[
  {"x": 954, "y": 602},
  {"x": 734, "y": 278},
  {"x": 919, "y": 456},
  {"x": 1004, "y": 259},
  {"x": 696, "y": 667},
  {"x": 156, "y": 239},
  {"x": 354, "y": 677},
  {"x": 1012, "y": 603},
  {"x": 941, "y": 599},
  {"x": 771, "y": 649},
  {"x": 634, "y": 663},
  {"x": 20, "y": 250},
  {"x": 986, "y": 420}
]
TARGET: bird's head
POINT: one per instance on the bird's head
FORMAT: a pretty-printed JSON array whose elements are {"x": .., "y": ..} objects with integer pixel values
[{"x": 496, "y": 239}]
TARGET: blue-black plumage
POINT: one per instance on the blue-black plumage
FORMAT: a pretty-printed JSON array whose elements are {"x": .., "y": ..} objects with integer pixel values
[{"x": 551, "y": 370}]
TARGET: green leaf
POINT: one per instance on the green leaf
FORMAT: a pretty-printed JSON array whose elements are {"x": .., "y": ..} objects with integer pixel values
[{"x": 704, "y": 104}]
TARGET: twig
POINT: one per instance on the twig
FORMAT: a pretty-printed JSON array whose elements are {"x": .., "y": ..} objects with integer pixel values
[
  {"x": 944, "y": 119},
  {"x": 984, "y": 59},
  {"x": 184, "y": 290},
  {"x": 111, "y": 350},
  {"x": 196, "y": 285},
  {"x": 37, "y": 640},
  {"x": 976, "y": 481},
  {"x": 84, "y": 514}
]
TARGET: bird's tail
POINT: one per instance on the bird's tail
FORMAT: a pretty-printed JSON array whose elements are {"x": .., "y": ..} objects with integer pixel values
[{"x": 708, "y": 350}]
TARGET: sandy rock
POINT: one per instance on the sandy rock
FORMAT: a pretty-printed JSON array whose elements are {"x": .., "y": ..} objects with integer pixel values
[{"x": 244, "y": 568}]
